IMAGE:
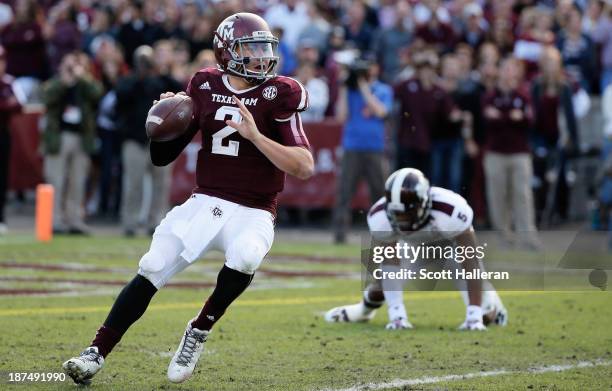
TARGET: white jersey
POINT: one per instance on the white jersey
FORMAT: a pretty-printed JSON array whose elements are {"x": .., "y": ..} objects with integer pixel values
[{"x": 450, "y": 215}]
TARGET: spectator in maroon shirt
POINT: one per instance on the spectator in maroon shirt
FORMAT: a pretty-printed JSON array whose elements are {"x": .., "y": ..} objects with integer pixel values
[
  {"x": 62, "y": 33},
  {"x": 437, "y": 33},
  {"x": 422, "y": 106},
  {"x": 551, "y": 94},
  {"x": 501, "y": 35},
  {"x": 488, "y": 59},
  {"x": 507, "y": 162},
  {"x": 8, "y": 106},
  {"x": 24, "y": 42}
]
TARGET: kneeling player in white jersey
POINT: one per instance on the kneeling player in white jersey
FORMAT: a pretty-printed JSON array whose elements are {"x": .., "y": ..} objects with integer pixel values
[{"x": 411, "y": 206}]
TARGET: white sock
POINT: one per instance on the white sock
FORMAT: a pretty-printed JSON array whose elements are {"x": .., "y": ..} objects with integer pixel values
[
  {"x": 394, "y": 295},
  {"x": 395, "y": 303}
]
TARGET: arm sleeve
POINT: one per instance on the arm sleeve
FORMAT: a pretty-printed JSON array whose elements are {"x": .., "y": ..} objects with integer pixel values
[
  {"x": 491, "y": 123},
  {"x": 196, "y": 104},
  {"x": 385, "y": 95},
  {"x": 164, "y": 153},
  {"x": 292, "y": 132},
  {"x": 293, "y": 99}
]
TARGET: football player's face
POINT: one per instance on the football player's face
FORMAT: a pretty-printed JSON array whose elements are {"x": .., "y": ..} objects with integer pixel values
[
  {"x": 256, "y": 50},
  {"x": 405, "y": 220}
]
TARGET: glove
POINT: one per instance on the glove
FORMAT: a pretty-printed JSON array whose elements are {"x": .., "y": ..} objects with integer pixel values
[{"x": 473, "y": 319}]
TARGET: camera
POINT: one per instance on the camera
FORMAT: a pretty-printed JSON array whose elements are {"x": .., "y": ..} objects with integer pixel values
[
  {"x": 358, "y": 69},
  {"x": 356, "y": 65}
]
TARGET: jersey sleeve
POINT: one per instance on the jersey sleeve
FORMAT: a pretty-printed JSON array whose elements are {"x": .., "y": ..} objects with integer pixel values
[
  {"x": 292, "y": 132},
  {"x": 378, "y": 222},
  {"x": 190, "y": 92},
  {"x": 291, "y": 100},
  {"x": 452, "y": 213}
]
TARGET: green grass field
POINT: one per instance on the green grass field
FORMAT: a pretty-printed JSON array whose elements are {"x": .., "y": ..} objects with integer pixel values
[{"x": 54, "y": 296}]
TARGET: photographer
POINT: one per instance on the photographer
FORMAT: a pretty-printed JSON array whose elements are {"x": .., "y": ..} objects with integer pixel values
[
  {"x": 71, "y": 99},
  {"x": 363, "y": 103}
]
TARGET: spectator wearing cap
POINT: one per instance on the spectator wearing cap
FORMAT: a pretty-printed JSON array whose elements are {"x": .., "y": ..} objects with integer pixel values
[
  {"x": 473, "y": 26},
  {"x": 9, "y": 104},
  {"x": 71, "y": 99},
  {"x": 422, "y": 108},
  {"x": 507, "y": 161},
  {"x": 577, "y": 50},
  {"x": 388, "y": 42},
  {"x": 602, "y": 34},
  {"x": 551, "y": 94},
  {"x": 24, "y": 43},
  {"x": 363, "y": 104}
]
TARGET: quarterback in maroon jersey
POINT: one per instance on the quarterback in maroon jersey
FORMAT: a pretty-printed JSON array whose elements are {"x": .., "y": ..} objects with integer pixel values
[{"x": 251, "y": 137}]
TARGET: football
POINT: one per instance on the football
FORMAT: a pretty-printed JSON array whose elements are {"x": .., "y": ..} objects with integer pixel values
[{"x": 169, "y": 118}]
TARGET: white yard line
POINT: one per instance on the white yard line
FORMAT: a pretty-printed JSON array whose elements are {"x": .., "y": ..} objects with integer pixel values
[{"x": 397, "y": 383}]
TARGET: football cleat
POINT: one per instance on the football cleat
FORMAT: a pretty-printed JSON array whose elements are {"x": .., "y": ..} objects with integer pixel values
[
  {"x": 186, "y": 357},
  {"x": 494, "y": 309},
  {"x": 82, "y": 368},
  {"x": 399, "y": 324},
  {"x": 349, "y": 313},
  {"x": 501, "y": 316}
]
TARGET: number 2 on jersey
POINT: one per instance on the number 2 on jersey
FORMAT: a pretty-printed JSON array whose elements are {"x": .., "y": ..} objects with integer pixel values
[{"x": 231, "y": 149}]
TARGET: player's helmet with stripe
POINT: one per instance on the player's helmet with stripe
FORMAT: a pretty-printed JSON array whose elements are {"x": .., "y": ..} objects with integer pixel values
[
  {"x": 244, "y": 46},
  {"x": 408, "y": 199}
]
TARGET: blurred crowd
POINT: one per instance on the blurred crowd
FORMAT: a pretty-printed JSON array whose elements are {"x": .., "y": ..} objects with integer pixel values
[{"x": 485, "y": 97}]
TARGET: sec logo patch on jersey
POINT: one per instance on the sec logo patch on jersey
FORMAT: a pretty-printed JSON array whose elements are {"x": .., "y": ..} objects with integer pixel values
[{"x": 269, "y": 92}]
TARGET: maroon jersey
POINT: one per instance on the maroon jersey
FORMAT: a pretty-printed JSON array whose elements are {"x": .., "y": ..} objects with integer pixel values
[
  {"x": 504, "y": 135},
  {"x": 229, "y": 166}
]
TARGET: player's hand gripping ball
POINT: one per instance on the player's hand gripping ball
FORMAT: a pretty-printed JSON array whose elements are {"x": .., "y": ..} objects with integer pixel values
[{"x": 169, "y": 117}]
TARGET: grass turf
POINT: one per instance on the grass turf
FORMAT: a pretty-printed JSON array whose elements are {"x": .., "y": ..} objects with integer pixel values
[{"x": 274, "y": 338}]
